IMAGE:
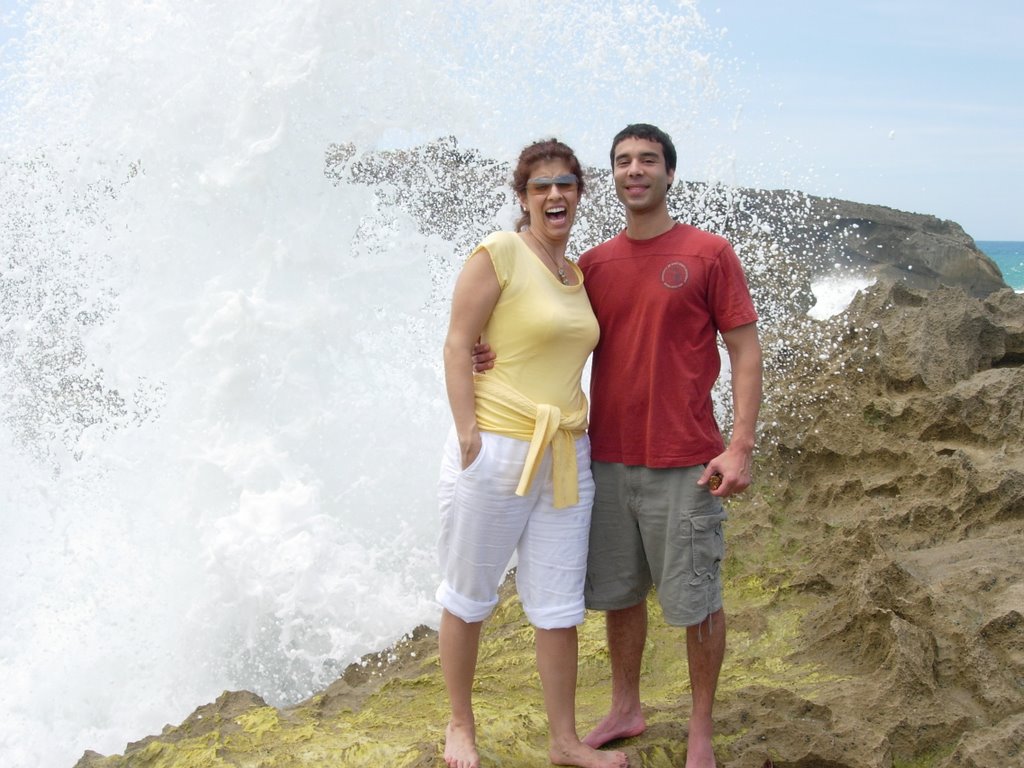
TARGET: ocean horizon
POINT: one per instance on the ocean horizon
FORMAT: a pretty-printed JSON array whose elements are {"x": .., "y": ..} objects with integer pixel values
[{"x": 1009, "y": 256}]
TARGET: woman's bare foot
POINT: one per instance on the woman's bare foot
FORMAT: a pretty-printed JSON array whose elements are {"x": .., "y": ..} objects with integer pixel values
[
  {"x": 579, "y": 754},
  {"x": 460, "y": 746},
  {"x": 615, "y": 727}
]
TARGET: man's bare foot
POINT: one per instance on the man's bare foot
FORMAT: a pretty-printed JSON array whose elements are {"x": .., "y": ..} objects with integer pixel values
[
  {"x": 579, "y": 754},
  {"x": 699, "y": 753},
  {"x": 615, "y": 727},
  {"x": 460, "y": 747}
]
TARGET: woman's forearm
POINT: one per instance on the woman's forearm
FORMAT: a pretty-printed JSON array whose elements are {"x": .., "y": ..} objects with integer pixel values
[{"x": 458, "y": 375}]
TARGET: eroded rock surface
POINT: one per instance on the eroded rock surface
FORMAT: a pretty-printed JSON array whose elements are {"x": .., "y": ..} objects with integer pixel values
[{"x": 874, "y": 585}]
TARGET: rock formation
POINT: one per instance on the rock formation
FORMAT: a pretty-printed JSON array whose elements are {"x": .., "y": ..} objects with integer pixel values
[
  {"x": 874, "y": 581},
  {"x": 460, "y": 195},
  {"x": 874, "y": 585},
  {"x": 918, "y": 250}
]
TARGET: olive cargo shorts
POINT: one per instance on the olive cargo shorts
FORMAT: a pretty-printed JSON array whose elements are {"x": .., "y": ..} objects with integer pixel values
[{"x": 655, "y": 527}]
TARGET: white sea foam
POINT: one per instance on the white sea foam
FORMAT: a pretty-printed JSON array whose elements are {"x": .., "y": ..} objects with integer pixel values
[
  {"x": 222, "y": 403},
  {"x": 833, "y": 294}
]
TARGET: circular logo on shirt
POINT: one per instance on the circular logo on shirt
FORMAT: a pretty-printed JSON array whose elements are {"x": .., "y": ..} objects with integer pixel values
[{"x": 675, "y": 275}]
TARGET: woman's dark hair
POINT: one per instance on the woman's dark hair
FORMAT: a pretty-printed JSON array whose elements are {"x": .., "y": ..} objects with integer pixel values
[
  {"x": 650, "y": 133},
  {"x": 539, "y": 151}
]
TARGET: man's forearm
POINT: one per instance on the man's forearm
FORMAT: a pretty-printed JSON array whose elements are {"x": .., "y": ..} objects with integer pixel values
[{"x": 745, "y": 360}]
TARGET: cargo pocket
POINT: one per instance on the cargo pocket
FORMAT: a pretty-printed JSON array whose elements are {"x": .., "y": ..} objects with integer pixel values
[{"x": 707, "y": 544}]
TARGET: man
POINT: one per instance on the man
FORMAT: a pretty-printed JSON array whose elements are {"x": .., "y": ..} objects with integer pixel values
[{"x": 662, "y": 292}]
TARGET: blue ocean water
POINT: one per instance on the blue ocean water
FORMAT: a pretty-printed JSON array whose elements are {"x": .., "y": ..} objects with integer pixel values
[{"x": 1009, "y": 255}]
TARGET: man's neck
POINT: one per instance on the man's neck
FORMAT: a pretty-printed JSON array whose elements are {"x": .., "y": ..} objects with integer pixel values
[{"x": 644, "y": 226}]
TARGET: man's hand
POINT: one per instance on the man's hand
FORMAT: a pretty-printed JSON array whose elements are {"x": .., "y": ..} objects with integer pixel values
[
  {"x": 732, "y": 471},
  {"x": 483, "y": 357}
]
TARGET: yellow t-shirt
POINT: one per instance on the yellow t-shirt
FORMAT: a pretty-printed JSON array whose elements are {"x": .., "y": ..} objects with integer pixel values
[{"x": 542, "y": 333}]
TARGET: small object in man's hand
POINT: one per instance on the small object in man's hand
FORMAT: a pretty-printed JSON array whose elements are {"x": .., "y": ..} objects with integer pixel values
[{"x": 715, "y": 481}]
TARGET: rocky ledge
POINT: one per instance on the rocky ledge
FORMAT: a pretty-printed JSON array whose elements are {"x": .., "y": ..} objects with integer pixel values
[
  {"x": 786, "y": 238},
  {"x": 875, "y": 587}
]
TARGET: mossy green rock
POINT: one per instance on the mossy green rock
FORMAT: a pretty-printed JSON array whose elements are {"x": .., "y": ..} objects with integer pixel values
[{"x": 873, "y": 587}]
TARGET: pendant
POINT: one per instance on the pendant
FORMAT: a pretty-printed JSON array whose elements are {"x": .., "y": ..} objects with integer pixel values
[{"x": 562, "y": 276}]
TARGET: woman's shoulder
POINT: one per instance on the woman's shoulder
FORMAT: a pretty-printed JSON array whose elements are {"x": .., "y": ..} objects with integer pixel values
[
  {"x": 501, "y": 240},
  {"x": 504, "y": 247}
]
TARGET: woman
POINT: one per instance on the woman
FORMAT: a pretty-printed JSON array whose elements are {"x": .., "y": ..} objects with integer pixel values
[{"x": 515, "y": 476}]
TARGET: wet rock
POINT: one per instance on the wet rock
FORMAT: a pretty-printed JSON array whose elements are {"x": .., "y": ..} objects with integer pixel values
[{"x": 873, "y": 580}]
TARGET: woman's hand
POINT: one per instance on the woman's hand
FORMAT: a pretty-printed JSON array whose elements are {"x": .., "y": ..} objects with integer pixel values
[{"x": 469, "y": 447}]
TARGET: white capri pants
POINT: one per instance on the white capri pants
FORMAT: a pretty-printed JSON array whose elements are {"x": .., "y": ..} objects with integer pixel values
[{"x": 483, "y": 523}]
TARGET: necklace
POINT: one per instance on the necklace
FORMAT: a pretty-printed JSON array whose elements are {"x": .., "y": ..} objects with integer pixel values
[{"x": 561, "y": 272}]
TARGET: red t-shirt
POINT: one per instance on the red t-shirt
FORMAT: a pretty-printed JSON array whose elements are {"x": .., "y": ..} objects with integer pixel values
[{"x": 660, "y": 304}]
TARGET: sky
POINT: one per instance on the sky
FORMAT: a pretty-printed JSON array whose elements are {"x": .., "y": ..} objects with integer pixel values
[
  {"x": 913, "y": 104},
  {"x": 917, "y": 105}
]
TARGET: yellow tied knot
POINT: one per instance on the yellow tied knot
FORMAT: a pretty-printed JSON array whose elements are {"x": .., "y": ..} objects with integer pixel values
[{"x": 542, "y": 424}]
